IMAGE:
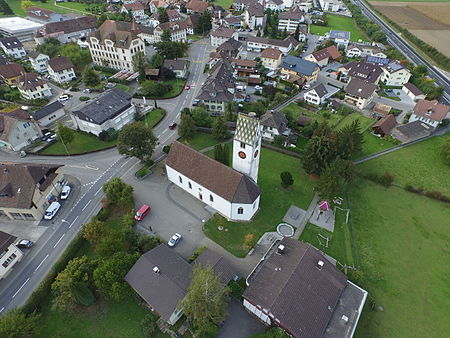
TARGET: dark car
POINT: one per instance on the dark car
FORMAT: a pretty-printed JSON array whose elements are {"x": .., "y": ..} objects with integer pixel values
[
  {"x": 24, "y": 244},
  {"x": 173, "y": 125}
]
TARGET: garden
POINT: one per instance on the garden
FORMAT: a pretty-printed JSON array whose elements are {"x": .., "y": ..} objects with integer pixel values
[
  {"x": 82, "y": 143},
  {"x": 340, "y": 23}
]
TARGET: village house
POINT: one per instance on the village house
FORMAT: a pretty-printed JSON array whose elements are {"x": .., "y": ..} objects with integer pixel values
[
  {"x": 300, "y": 67},
  {"x": 111, "y": 110},
  {"x": 381, "y": 110},
  {"x": 324, "y": 56},
  {"x": 363, "y": 71},
  {"x": 274, "y": 5},
  {"x": 318, "y": 94},
  {"x": 430, "y": 112},
  {"x": 61, "y": 69},
  {"x": 155, "y": 4},
  {"x": 197, "y": 7},
  {"x": 230, "y": 48},
  {"x": 271, "y": 58},
  {"x": 290, "y": 20},
  {"x": 68, "y": 30},
  {"x": 258, "y": 44},
  {"x": 243, "y": 67},
  {"x": 395, "y": 74},
  {"x": 17, "y": 130},
  {"x": 26, "y": 190},
  {"x": 274, "y": 123},
  {"x": 179, "y": 67},
  {"x": 254, "y": 16},
  {"x": 331, "y": 5},
  {"x": 222, "y": 34},
  {"x": 10, "y": 73},
  {"x": 177, "y": 29},
  {"x": 359, "y": 93},
  {"x": 12, "y": 47},
  {"x": 361, "y": 50},
  {"x": 39, "y": 61},
  {"x": 413, "y": 92},
  {"x": 136, "y": 9},
  {"x": 32, "y": 87},
  {"x": 241, "y": 5},
  {"x": 412, "y": 131},
  {"x": 10, "y": 254},
  {"x": 341, "y": 38},
  {"x": 44, "y": 16},
  {"x": 49, "y": 113},
  {"x": 384, "y": 125}
]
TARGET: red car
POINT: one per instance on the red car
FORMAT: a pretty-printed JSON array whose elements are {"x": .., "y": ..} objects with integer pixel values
[
  {"x": 187, "y": 87},
  {"x": 173, "y": 125},
  {"x": 142, "y": 212}
]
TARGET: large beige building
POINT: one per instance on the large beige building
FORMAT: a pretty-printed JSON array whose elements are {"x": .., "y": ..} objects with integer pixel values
[
  {"x": 10, "y": 254},
  {"x": 26, "y": 190}
]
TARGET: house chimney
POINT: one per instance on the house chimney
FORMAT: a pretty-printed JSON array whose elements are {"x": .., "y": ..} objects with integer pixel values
[
  {"x": 319, "y": 265},
  {"x": 156, "y": 270},
  {"x": 280, "y": 249}
]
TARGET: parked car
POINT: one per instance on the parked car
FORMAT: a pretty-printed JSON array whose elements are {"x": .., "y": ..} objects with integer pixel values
[
  {"x": 247, "y": 98},
  {"x": 329, "y": 70},
  {"x": 174, "y": 240},
  {"x": 51, "y": 138},
  {"x": 63, "y": 98},
  {"x": 307, "y": 86},
  {"x": 65, "y": 192},
  {"x": 52, "y": 210},
  {"x": 46, "y": 135},
  {"x": 24, "y": 244},
  {"x": 142, "y": 212},
  {"x": 110, "y": 85},
  {"x": 196, "y": 102},
  {"x": 258, "y": 88},
  {"x": 87, "y": 91},
  {"x": 173, "y": 125},
  {"x": 187, "y": 87},
  {"x": 22, "y": 153}
]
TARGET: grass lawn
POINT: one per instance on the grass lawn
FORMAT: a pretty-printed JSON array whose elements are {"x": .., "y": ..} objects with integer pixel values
[
  {"x": 200, "y": 141},
  {"x": 295, "y": 111},
  {"x": 420, "y": 165},
  {"x": 223, "y": 3},
  {"x": 340, "y": 23},
  {"x": 373, "y": 144},
  {"x": 177, "y": 87},
  {"x": 275, "y": 201},
  {"x": 126, "y": 89},
  {"x": 82, "y": 143},
  {"x": 364, "y": 122},
  {"x": 17, "y": 9},
  {"x": 153, "y": 117},
  {"x": 77, "y": 6},
  {"x": 402, "y": 240},
  {"x": 393, "y": 98}
]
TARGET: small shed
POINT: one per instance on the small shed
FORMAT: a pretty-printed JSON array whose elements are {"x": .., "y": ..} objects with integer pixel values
[
  {"x": 152, "y": 73},
  {"x": 381, "y": 110},
  {"x": 384, "y": 125}
]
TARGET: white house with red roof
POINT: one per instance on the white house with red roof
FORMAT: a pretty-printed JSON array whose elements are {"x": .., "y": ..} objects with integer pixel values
[{"x": 430, "y": 112}]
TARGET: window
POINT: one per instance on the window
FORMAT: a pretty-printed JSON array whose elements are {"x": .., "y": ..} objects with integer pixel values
[
  {"x": 240, "y": 211},
  {"x": 190, "y": 185},
  {"x": 200, "y": 196},
  {"x": 211, "y": 198},
  {"x": 242, "y": 145},
  {"x": 181, "y": 180}
]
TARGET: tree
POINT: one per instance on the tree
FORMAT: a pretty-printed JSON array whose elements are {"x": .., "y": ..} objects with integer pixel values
[
  {"x": 350, "y": 140},
  {"x": 139, "y": 62},
  {"x": 249, "y": 241},
  {"x": 25, "y": 4},
  {"x": 334, "y": 178},
  {"x": 222, "y": 153},
  {"x": 220, "y": 130},
  {"x": 152, "y": 89},
  {"x": 77, "y": 274},
  {"x": 201, "y": 117},
  {"x": 171, "y": 50},
  {"x": 205, "y": 301},
  {"x": 137, "y": 140},
  {"x": 166, "y": 36},
  {"x": 79, "y": 57},
  {"x": 445, "y": 151},
  {"x": 94, "y": 231},
  {"x": 156, "y": 61},
  {"x": 204, "y": 24},
  {"x": 109, "y": 275},
  {"x": 278, "y": 140},
  {"x": 187, "y": 126},
  {"x": 118, "y": 192},
  {"x": 297, "y": 33},
  {"x": 319, "y": 153},
  {"x": 112, "y": 242},
  {"x": 378, "y": 36},
  {"x": 90, "y": 77},
  {"x": 286, "y": 179},
  {"x": 50, "y": 47},
  {"x": 15, "y": 324},
  {"x": 65, "y": 134},
  {"x": 162, "y": 15}
]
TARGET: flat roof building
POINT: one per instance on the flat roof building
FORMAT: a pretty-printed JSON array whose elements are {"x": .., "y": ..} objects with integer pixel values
[{"x": 20, "y": 28}]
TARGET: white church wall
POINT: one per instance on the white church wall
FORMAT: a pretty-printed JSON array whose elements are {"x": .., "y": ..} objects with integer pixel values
[
  {"x": 250, "y": 164},
  {"x": 248, "y": 210}
]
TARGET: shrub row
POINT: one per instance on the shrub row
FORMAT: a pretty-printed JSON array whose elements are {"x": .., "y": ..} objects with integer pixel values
[
  {"x": 385, "y": 180},
  {"x": 196, "y": 254},
  {"x": 436, "y": 195}
]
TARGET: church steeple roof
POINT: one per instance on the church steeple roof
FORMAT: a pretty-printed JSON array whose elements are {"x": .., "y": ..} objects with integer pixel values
[{"x": 247, "y": 128}]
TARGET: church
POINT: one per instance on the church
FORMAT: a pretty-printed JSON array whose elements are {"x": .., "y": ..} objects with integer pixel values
[{"x": 232, "y": 192}]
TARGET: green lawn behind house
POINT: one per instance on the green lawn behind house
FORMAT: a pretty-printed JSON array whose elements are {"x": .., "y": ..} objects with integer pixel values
[
  {"x": 340, "y": 23},
  {"x": 364, "y": 122},
  {"x": 82, "y": 143},
  {"x": 275, "y": 201},
  {"x": 126, "y": 89},
  {"x": 223, "y": 3},
  {"x": 373, "y": 144},
  {"x": 177, "y": 87},
  {"x": 76, "y": 6},
  {"x": 295, "y": 111},
  {"x": 200, "y": 141}
]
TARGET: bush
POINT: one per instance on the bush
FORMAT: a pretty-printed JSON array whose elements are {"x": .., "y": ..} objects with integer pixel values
[
  {"x": 196, "y": 254},
  {"x": 237, "y": 288},
  {"x": 436, "y": 195},
  {"x": 142, "y": 172},
  {"x": 84, "y": 98},
  {"x": 385, "y": 180},
  {"x": 104, "y": 214},
  {"x": 166, "y": 148},
  {"x": 74, "y": 89},
  {"x": 149, "y": 326}
]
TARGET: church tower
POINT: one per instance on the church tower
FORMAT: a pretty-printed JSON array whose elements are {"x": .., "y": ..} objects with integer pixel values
[{"x": 247, "y": 145}]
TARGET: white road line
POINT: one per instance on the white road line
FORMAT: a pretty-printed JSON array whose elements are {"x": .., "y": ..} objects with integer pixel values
[
  {"x": 123, "y": 164},
  {"x": 41, "y": 263},
  {"x": 73, "y": 221},
  {"x": 86, "y": 205},
  {"x": 59, "y": 240},
  {"x": 99, "y": 189},
  {"x": 1, "y": 310},
  {"x": 20, "y": 288}
]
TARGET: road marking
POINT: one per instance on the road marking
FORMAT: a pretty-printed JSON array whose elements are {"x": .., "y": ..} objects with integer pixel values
[
  {"x": 86, "y": 205},
  {"x": 99, "y": 189},
  {"x": 73, "y": 221},
  {"x": 41, "y": 263},
  {"x": 1, "y": 310},
  {"x": 20, "y": 288},
  {"x": 59, "y": 240},
  {"x": 123, "y": 165}
]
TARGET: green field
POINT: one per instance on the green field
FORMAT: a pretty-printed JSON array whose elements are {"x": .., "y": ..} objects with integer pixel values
[
  {"x": 200, "y": 141},
  {"x": 373, "y": 144},
  {"x": 402, "y": 241},
  {"x": 17, "y": 9},
  {"x": 340, "y": 23},
  {"x": 420, "y": 165},
  {"x": 76, "y": 6},
  {"x": 364, "y": 122},
  {"x": 223, "y": 3},
  {"x": 153, "y": 117},
  {"x": 295, "y": 111},
  {"x": 275, "y": 201},
  {"x": 177, "y": 87},
  {"x": 82, "y": 143}
]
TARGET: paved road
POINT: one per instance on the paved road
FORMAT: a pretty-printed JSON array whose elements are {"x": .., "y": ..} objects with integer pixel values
[{"x": 410, "y": 52}]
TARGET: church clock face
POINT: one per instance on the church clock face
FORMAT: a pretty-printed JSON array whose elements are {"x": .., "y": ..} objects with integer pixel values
[
  {"x": 256, "y": 154},
  {"x": 242, "y": 155}
]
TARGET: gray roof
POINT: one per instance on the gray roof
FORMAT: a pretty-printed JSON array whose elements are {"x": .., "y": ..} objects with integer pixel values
[
  {"x": 47, "y": 110},
  {"x": 72, "y": 25},
  {"x": 320, "y": 90},
  {"x": 175, "y": 64},
  {"x": 365, "y": 71},
  {"x": 293, "y": 288},
  {"x": 274, "y": 119},
  {"x": 292, "y": 15},
  {"x": 247, "y": 129},
  {"x": 218, "y": 83},
  {"x": 11, "y": 42},
  {"x": 415, "y": 129},
  {"x": 271, "y": 42},
  {"x": 299, "y": 65},
  {"x": 105, "y": 107},
  {"x": 33, "y": 54},
  {"x": 219, "y": 264},
  {"x": 230, "y": 45},
  {"x": 5, "y": 241},
  {"x": 255, "y": 9},
  {"x": 360, "y": 88},
  {"x": 339, "y": 35}
]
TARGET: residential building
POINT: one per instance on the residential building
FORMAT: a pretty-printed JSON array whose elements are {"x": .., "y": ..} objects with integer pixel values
[
  {"x": 17, "y": 27},
  {"x": 68, "y": 30},
  {"x": 61, "y": 69},
  {"x": 43, "y": 16},
  {"x": 274, "y": 5},
  {"x": 161, "y": 278},
  {"x": 241, "y": 5},
  {"x": 230, "y": 48},
  {"x": 290, "y": 20},
  {"x": 232, "y": 22},
  {"x": 49, "y": 113},
  {"x": 244, "y": 68},
  {"x": 191, "y": 22},
  {"x": 26, "y": 190},
  {"x": 219, "y": 87},
  {"x": 395, "y": 74},
  {"x": 254, "y": 16},
  {"x": 258, "y": 44},
  {"x": 331, "y": 5},
  {"x": 32, "y": 87},
  {"x": 10, "y": 254},
  {"x": 271, "y": 58},
  {"x": 177, "y": 29},
  {"x": 179, "y": 67},
  {"x": 39, "y": 61},
  {"x": 362, "y": 50},
  {"x": 274, "y": 123},
  {"x": 297, "y": 288},
  {"x": 111, "y": 110},
  {"x": 115, "y": 43},
  {"x": 364, "y": 71},
  {"x": 221, "y": 34},
  {"x": 384, "y": 125},
  {"x": 232, "y": 192},
  {"x": 10, "y": 73},
  {"x": 155, "y": 4},
  {"x": 303, "y": 68},
  {"x": 429, "y": 112},
  {"x": 318, "y": 94},
  {"x": 341, "y": 38},
  {"x": 324, "y": 56},
  {"x": 18, "y": 130},
  {"x": 381, "y": 110},
  {"x": 359, "y": 93},
  {"x": 413, "y": 92},
  {"x": 197, "y": 7},
  {"x": 12, "y": 47},
  {"x": 136, "y": 9}
]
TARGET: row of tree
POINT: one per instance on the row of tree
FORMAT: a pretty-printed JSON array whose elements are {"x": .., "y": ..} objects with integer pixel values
[
  {"x": 371, "y": 29},
  {"x": 200, "y": 117}
]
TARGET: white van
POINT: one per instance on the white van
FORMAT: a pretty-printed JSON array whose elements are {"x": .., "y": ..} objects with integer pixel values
[{"x": 52, "y": 210}]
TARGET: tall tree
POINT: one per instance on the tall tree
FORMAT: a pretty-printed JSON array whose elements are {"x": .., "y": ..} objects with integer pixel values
[
  {"x": 15, "y": 324},
  {"x": 50, "y": 47},
  {"x": 350, "y": 140},
  {"x": 94, "y": 231},
  {"x": 297, "y": 33},
  {"x": 319, "y": 153},
  {"x": 286, "y": 179},
  {"x": 206, "y": 299},
  {"x": 118, "y": 192},
  {"x": 201, "y": 117},
  {"x": 80, "y": 57},
  {"x": 156, "y": 61},
  {"x": 187, "y": 126},
  {"x": 334, "y": 178},
  {"x": 139, "y": 62},
  {"x": 90, "y": 77},
  {"x": 163, "y": 16},
  {"x": 220, "y": 130},
  {"x": 137, "y": 140},
  {"x": 151, "y": 88},
  {"x": 166, "y": 36},
  {"x": 204, "y": 24},
  {"x": 65, "y": 135}
]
